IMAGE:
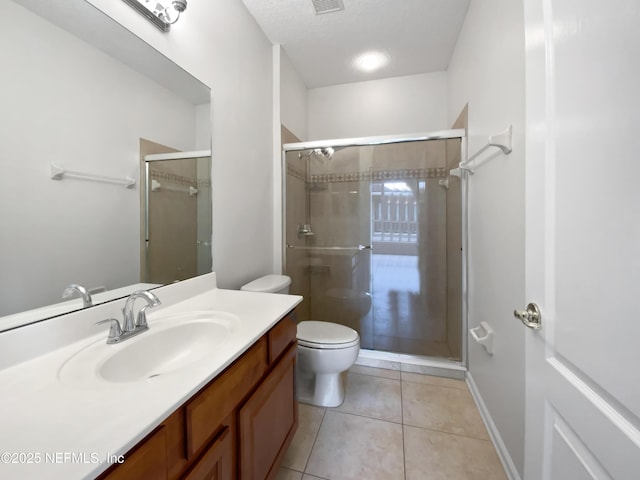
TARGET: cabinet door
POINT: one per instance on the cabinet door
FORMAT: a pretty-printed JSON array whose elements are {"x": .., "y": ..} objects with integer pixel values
[
  {"x": 216, "y": 463},
  {"x": 268, "y": 421}
]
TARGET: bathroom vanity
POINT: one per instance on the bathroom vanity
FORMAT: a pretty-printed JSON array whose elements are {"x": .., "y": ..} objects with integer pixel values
[
  {"x": 163, "y": 405},
  {"x": 236, "y": 427}
]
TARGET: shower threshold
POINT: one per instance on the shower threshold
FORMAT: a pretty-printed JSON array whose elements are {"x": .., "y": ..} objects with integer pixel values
[{"x": 440, "y": 367}]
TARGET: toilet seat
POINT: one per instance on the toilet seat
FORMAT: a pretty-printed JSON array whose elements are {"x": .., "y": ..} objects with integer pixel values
[{"x": 326, "y": 335}]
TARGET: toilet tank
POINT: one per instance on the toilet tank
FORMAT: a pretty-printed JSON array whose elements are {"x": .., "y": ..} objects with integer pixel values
[{"x": 269, "y": 284}]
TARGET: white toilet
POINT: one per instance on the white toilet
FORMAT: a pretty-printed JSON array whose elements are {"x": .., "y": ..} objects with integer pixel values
[{"x": 325, "y": 350}]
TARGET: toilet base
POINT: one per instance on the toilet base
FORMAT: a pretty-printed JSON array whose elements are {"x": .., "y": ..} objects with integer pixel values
[
  {"x": 321, "y": 372},
  {"x": 323, "y": 390},
  {"x": 328, "y": 390}
]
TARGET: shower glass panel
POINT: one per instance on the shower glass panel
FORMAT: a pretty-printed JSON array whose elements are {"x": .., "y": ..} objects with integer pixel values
[
  {"x": 373, "y": 242},
  {"x": 178, "y": 219}
]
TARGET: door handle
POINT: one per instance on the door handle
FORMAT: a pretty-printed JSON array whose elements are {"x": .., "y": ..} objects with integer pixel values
[{"x": 531, "y": 317}]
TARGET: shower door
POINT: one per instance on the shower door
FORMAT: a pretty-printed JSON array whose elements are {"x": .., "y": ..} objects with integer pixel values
[
  {"x": 367, "y": 244},
  {"x": 177, "y": 211},
  {"x": 328, "y": 236}
]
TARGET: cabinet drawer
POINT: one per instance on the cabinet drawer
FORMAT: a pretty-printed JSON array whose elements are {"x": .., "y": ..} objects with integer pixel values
[
  {"x": 216, "y": 463},
  {"x": 206, "y": 412},
  {"x": 281, "y": 336}
]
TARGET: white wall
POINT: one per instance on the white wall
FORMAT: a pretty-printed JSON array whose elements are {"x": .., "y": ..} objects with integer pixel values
[
  {"x": 294, "y": 111},
  {"x": 64, "y": 101},
  {"x": 409, "y": 104},
  {"x": 203, "y": 127},
  {"x": 487, "y": 71},
  {"x": 220, "y": 43}
]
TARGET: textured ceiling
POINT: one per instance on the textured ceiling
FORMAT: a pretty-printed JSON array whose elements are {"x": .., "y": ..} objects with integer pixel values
[{"x": 418, "y": 35}]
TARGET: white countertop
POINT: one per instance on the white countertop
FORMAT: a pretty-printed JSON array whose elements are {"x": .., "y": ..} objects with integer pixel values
[{"x": 50, "y": 430}]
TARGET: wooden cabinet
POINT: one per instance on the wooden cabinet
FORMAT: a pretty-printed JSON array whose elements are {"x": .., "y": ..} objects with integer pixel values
[
  {"x": 204, "y": 413},
  {"x": 282, "y": 336},
  {"x": 217, "y": 461},
  {"x": 267, "y": 422},
  {"x": 146, "y": 461},
  {"x": 238, "y": 426}
]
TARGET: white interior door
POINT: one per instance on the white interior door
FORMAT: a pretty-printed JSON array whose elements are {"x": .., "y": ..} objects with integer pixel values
[{"x": 583, "y": 239}]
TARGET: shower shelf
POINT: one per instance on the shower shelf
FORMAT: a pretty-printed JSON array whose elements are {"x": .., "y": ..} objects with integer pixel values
[{"x": 59, "y": 173}]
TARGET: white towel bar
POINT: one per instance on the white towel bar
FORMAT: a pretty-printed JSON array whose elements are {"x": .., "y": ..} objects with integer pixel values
[
  {"x": 59, "y": 173},
  {"x": 502, "y": 140}
]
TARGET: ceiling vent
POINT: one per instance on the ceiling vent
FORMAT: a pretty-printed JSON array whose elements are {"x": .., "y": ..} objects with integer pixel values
[{"x": 327, "y": 6}]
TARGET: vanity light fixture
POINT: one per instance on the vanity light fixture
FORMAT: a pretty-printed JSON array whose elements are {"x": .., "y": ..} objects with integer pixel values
[{"x": 158, "y": 13}]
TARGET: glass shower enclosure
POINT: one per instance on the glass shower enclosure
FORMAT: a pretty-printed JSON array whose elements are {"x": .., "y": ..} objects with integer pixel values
[
  {"x": 176, "y": 216},
  {"x": 373, "y": 240}
]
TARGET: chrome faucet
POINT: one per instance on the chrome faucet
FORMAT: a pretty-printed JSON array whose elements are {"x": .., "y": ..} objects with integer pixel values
[
  {"x": 129, "y": 323},
  {"x": 83, "y": 292},
  {"x": 131, "y": 327}
]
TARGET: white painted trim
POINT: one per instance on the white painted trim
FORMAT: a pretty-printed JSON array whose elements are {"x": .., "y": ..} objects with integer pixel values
[
  {"x": 278, "y": 223},
  {"x": 153, "y": 157},
  {"x": 496, "y": 439}
]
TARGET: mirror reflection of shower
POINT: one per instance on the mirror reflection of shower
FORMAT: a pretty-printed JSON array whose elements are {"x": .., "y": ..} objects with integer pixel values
[
  {"x": 373, "y": 242},
  {"x": 176, "y": 216}
]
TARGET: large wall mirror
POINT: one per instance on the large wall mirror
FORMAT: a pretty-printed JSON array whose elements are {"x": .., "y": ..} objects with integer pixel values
[{"x": 79, "y": 92}]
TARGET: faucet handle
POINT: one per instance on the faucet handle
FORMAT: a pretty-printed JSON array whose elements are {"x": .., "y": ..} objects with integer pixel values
[
  {"x": 141, "y": 322},
  {"x": 115, "y": 331}
]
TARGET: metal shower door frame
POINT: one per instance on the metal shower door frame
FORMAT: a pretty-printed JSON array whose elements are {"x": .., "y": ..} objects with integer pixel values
[{"x": 437, "y": 365}]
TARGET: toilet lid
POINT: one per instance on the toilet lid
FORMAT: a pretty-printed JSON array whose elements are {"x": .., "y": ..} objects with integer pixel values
[
  {"x": 268, "y": 283},
  {"x": 316, "y": 334}
]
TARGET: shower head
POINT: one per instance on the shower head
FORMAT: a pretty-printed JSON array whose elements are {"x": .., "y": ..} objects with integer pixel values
[{"x": 325, "y": 153}]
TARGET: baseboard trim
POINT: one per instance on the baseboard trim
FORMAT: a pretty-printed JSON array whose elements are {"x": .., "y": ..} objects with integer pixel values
[{"x": 501, "y": 448}]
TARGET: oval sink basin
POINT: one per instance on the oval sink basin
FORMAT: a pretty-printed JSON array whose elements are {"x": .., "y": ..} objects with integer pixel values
[{"x": 170, "y": 344}]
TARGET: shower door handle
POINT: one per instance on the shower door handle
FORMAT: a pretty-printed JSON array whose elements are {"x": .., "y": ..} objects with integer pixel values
[{"x": 365, "y": 247}]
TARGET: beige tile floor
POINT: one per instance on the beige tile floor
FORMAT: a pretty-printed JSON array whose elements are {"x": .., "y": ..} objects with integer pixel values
[{"x": 393, "y": 425}]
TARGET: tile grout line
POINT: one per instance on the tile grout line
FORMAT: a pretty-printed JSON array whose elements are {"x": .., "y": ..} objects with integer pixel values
[
  {"x": 448, "y": 433},
  {"x": 413, "y": 381},
  {"x": 374, "y": 376},
  {"x": 369, "y": 416},
  {"x": 365, "y": 416},
  {"x": 315, "y": 439},
  {"x": 436, "y": 385},
  {"x": 404, "y": 452}
]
